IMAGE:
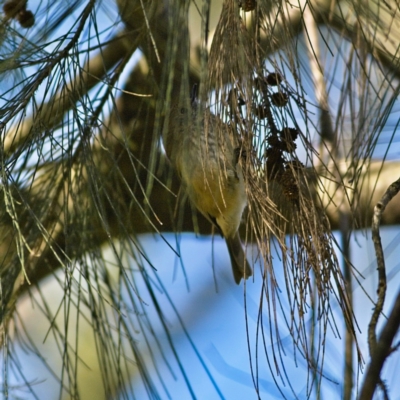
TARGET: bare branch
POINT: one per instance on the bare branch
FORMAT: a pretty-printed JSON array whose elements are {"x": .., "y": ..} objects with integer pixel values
[{"x": 380, "y": 350}]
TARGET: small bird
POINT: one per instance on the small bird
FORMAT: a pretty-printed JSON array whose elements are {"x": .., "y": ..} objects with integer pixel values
[{"x": 201, "y": 151}]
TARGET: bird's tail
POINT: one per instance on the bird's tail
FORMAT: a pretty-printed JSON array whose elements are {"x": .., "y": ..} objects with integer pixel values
[{"x": 240, "y": 266}]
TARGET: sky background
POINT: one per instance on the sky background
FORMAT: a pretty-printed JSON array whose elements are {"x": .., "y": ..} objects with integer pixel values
[{"x": 216, "y": 324}]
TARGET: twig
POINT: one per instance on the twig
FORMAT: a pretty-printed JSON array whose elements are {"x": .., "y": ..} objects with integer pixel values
[
  {"x": 380, "y": 350},
  {"x": 376, "y": 221}
]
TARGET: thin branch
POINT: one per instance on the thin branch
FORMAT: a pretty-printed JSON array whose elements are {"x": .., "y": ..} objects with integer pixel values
[
  {"x": 393, "y": 189},
  {"x": 312, "y": 33},
  {"x": 52, "y": 112},
  {"x": 380, "y": 350},
  {"x": 14, "y": 138}
]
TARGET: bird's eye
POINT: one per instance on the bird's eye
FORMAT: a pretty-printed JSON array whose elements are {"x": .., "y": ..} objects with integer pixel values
[{"x": 183, "y": 110}]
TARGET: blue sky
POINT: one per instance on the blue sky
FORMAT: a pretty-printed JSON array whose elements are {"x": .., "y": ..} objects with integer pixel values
[{"x": 216, "y": 358}]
